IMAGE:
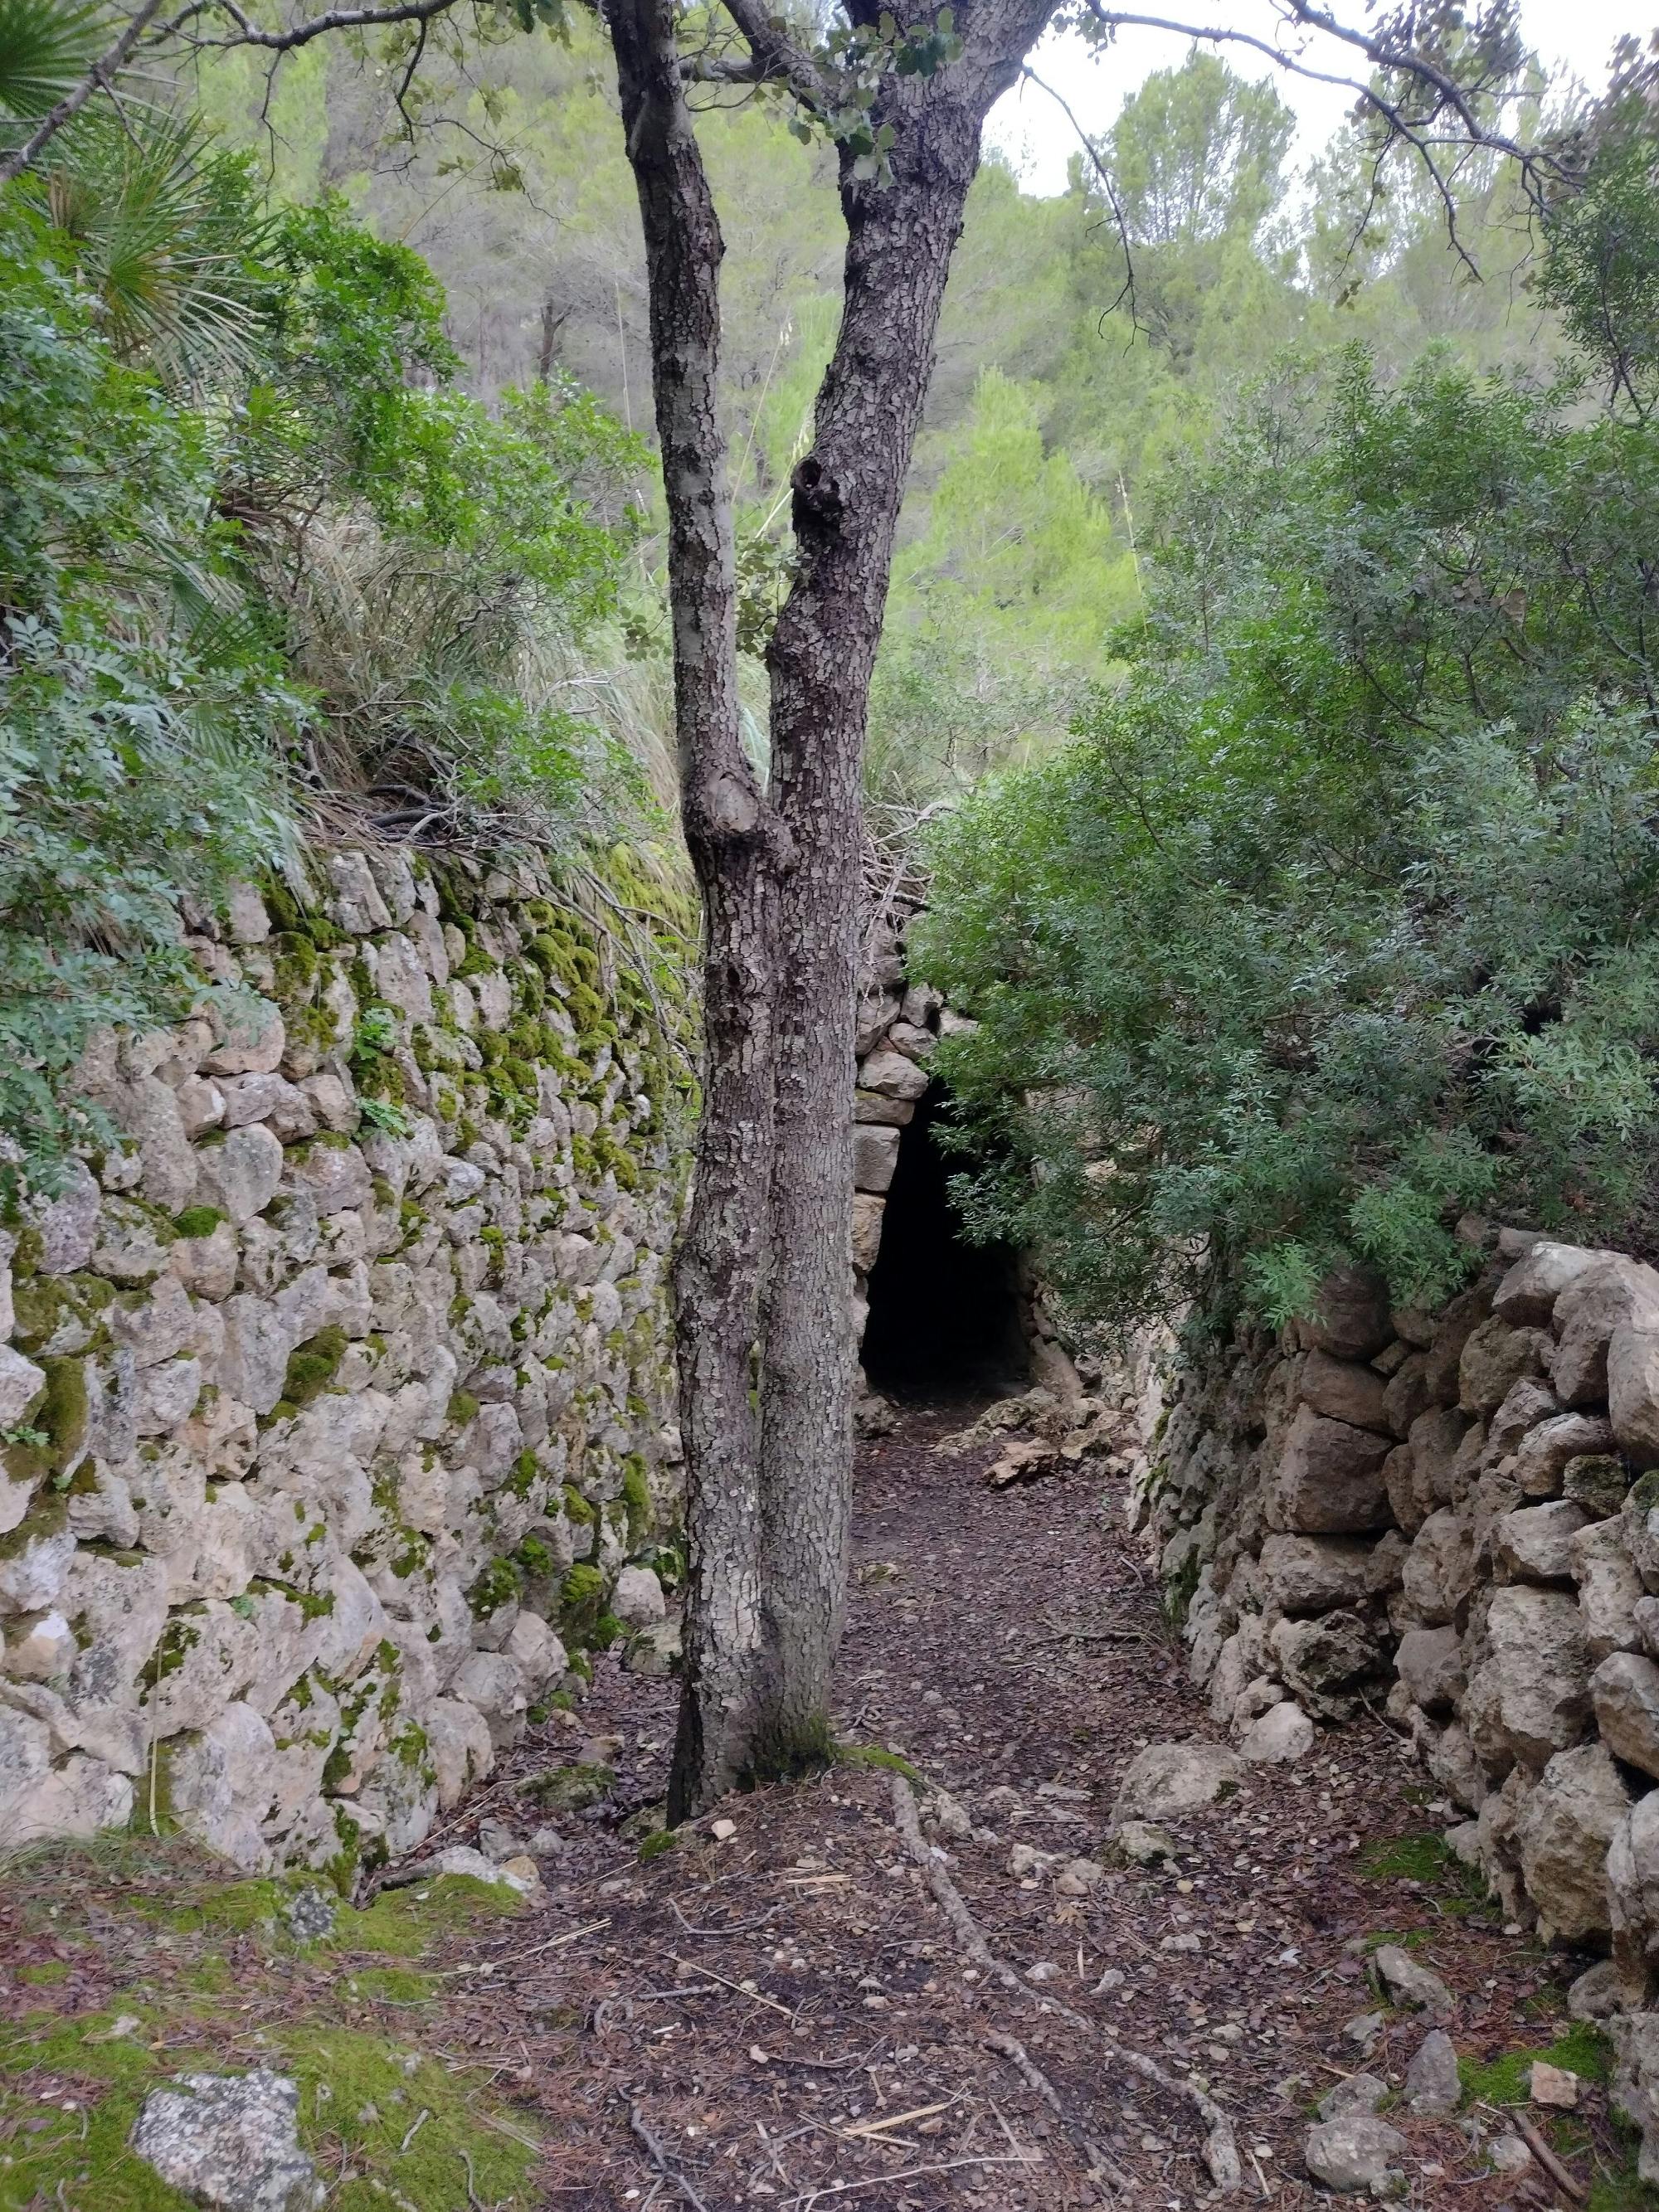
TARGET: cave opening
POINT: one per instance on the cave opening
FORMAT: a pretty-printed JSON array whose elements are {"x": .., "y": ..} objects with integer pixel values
[{"x": 946, "y": 1317}]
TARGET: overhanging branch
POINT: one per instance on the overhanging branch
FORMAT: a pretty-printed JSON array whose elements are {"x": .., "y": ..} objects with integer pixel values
[{"x": 99, "y": 78}]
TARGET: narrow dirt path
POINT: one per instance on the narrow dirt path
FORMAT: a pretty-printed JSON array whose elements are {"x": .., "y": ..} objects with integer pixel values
[{"x": 775, "y": 2012}]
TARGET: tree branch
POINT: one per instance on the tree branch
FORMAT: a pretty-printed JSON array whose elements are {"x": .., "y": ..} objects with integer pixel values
[
  {"x": 248, "y": 33},
  {"x": 777, "y": 58},
  {"x": 97, "y": 78}
]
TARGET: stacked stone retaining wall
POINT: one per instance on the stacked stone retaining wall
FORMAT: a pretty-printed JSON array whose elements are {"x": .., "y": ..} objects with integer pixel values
[
  {"x": 1454, "y": 1518},
  {"x": 337, "y": 1390}
]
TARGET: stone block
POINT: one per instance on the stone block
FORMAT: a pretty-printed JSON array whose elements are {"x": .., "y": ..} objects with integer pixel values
[
  {"x": 1495, "y": 1356},
  {"x": 1527, "y": 1297},
  {"x": 1345, "y": 1391},
  {"x": 1564, "y": 1831},
  {"x": 892, "y": 1075},
  {"x": 1587, "y": 1311},
  {"x": 1350, "y": 1317},
  {"x": 875, "y": 1157},
  {"x": 1528, "y": 1694},
  {"x": 1534, "y": 1545},
  {"x": 1329, "y": 1480}
]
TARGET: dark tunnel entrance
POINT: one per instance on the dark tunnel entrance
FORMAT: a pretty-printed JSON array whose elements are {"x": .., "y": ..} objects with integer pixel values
[{"x": 945, "y": 1314}]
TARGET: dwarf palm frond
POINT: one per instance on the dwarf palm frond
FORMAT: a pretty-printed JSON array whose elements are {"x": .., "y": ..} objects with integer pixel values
[
  {"x": 167, "y": 234},
  {"x": 46, "y": 50}
]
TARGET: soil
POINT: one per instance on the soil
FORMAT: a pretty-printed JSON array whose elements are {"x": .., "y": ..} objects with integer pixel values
[{"x": 773, "y": 2011}]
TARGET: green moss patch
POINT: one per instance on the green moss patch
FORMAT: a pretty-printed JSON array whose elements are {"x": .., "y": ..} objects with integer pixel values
[
  {"x": 179, "y": 1970},
  {"x": 1583, "y": 2050}
]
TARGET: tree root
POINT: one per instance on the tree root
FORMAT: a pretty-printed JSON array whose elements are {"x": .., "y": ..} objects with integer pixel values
[
  {"x": 1220, "y": 2146},
  {"x": 1103, "y": 2168}
]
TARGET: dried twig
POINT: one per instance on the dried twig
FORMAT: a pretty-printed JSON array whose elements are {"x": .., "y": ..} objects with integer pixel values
[
  {"x": 1541, "y": 2150},
  {"x": 1220, "y": 2147},
  {"x": 639, "y": 2126}
]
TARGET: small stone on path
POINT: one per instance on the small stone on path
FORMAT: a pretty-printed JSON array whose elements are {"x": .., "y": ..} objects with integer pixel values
[
  {"x": 1411, "y": 1983},
  {"x": 1357, "y": 2154},
  {"x": 1554, "y": 2086},
  {"x": 1432, "y": 2088},
  {"x": 1360, "y": 2092},
  {"x": 1168, "y": 1779}
]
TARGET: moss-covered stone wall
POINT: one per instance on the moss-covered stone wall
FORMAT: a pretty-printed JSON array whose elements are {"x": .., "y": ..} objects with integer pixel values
[{"x": 336, "y": 1394}]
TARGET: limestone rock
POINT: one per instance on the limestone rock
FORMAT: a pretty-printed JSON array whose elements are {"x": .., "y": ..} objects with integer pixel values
[
  {"x": 1407, "y": 1397},
  {"x": 1528, "y": 1697},
  {"x": 1359, "y": 2155},
  {"x": 1545, "y": 1452},
  {"x": 892, "y": 1075},
  {"x": 1436, "y": 1438},
  {"x": 1355, "y": 2093},
  {"x": 1168, "y": 1780},
  {"x": 1312, "y": 1574},
  {"x": 1432, "y": 2088},
  {"x": 221, "y": 1783},
  {"x": 1142, "y": 1842},
  {"x": 67, "y": 1224},
  {"x": 1494, "y": 1358},
  {"x": 1329, "y": 1480},
  {"x": 1283, "y": 1735},
  {"x": 637, "y": 1600},
  {"x": 1562, "y": 1831},
  {"x": 1024, "y": 1459},
  {"x": 253, "y": 1041},
  {"x": 1527, "y": 1404},
  {"x": 1587, "y": 1311},
  {"x": 1609, "y": 1588},
  {"x": 1440, "y": 1571},
  {"x": 1527, "y": 1294},
  {"x": 1639, "y": 1518},
  {"x": 1634, "y": 1895},
  {"x": 1429, "y": 1662},
  {"x": 1329, "y": 1661},
  {"x": 1624, "y": 1689},
  {"x": 1635, "y": 2087},
  {"x": 875, "y": 1154},
  {"x": 1633, "y": 1390},
  {"x": 1598, "y": 1481},
  {"x": 229, "y": 2141},
  {"x": 355, "y": 904},
  {"x": 867, "y": 1230},
  {"x": 1447, "y": 1336},
  {"x": 21, "y": 1383},
  {"x": 1595, "y": 1994},
  {"x": 1350, "y": 1317},
  {"x": 1345, "y": 1391},
  {"x": 239, "y": 1174},
  {"x": 1535, "y": 1544},
  {"x": 1409, "y": 1982}
]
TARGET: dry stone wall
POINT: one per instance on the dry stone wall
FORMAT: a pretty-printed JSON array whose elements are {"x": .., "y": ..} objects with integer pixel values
[
  {"x": 337, "y": 1392},
  {"x": 1456, "y": 1517}
]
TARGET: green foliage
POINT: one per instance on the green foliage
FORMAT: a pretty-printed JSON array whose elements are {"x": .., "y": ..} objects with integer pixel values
[
  {"x": 140, "y": 696},
  {"x": 246, "y": 519},
  {"x": 1339, "y": 917}
]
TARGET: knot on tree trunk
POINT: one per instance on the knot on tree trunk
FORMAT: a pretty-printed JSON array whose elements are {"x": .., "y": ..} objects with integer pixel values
[{"x": 818, "y": 502}]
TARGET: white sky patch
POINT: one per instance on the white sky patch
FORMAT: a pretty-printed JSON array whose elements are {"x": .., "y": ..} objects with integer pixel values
[{"x": 1030, "y": 131}]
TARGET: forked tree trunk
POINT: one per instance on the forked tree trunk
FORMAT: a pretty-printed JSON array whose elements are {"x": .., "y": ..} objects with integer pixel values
[{"x": 766, "y": 1263}]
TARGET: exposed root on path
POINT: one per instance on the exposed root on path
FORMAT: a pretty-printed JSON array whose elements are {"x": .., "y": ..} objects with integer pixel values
[
  {"x": 1220, "y": 2145},
  {"x": 1101, "y": 2169}
]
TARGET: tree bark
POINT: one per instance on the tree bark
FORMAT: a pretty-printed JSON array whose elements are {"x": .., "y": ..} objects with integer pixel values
[
  {"x": 847, "y": 493},
  {"x": 736, "y": 844}
]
